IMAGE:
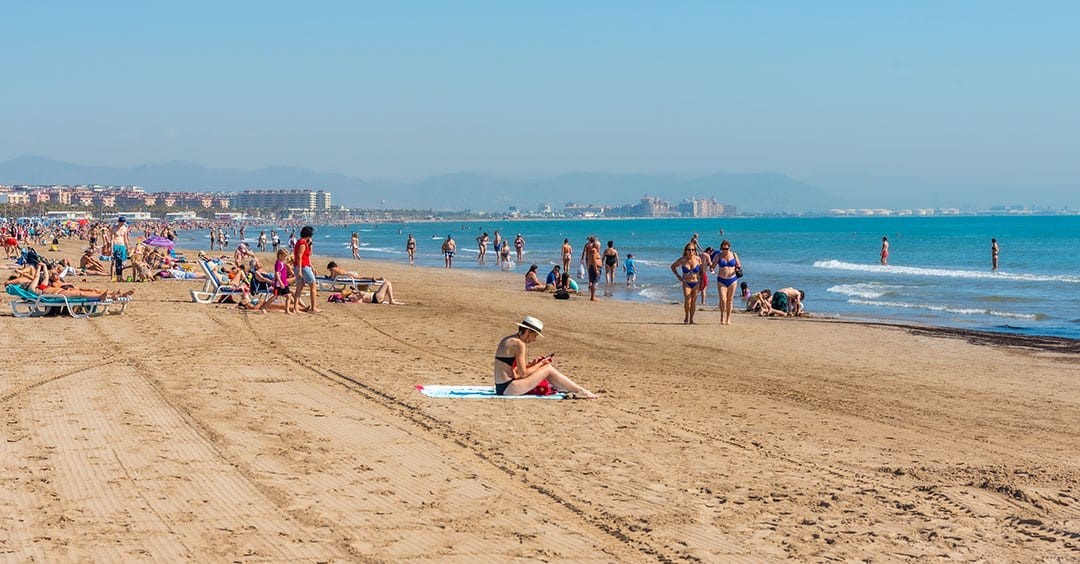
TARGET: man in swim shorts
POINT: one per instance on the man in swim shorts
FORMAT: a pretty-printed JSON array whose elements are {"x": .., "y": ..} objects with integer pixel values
[
  {"x": 590, "y": 255},
  {"x": 449, "y": 247},
  {"x": 119, "y": 249}
]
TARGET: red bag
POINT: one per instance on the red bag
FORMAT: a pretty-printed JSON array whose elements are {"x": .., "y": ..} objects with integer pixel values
[{"x": 544, "y": 388}]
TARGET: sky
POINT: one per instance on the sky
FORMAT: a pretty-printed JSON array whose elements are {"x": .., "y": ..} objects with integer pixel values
[{"x": 965, "y": 94}]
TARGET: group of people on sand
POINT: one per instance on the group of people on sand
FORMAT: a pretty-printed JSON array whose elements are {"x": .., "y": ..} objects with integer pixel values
[
  {"x": 694, "y": 267},
  {"x": 556, "y": 281},
  {"x": 293, "y": 272},
  {"x": 40, "y": 276}
]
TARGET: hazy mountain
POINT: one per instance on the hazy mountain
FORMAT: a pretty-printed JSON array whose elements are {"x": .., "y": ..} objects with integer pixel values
[
  {"x": 897, "y": 192},
  {"x": 765, "y": 192}
]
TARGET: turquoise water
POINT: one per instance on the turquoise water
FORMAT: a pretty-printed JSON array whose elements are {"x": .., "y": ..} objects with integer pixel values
[{"x": 938, "y": 274}]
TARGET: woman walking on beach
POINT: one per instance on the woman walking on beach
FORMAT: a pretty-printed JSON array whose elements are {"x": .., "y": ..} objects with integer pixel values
[
  {"x": 354, "y": 243},
  {"x": 305, "y": 273},
  {"x": 688, "y": 270},
  {"x": 726, "y": 263},
  {"x": 515, "y": 377},
  {"x": 410, "y": 248}
]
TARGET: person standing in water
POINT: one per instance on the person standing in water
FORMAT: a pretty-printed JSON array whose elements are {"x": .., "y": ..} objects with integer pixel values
[
  {"x": 884, "y": 250},
  {"x": 482, "y": 243},
  {"x": 410, "y": 248},
  {"x": 519, "y": 245},
  {"x": 993, "y": 254},
  {"x": 567, "y": 254},
  {"x": 449, "y": 247}
]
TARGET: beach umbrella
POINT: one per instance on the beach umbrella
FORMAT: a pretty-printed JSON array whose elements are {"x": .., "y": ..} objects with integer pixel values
[{"x": 158, "y": 241}]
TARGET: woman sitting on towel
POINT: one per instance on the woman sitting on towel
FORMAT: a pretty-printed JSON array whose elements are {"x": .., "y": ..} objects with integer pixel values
[{"x": 515, "y": 377}]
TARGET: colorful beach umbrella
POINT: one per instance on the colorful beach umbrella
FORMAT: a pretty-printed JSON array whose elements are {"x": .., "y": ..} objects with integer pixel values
[{"x": 158, "y": 241}]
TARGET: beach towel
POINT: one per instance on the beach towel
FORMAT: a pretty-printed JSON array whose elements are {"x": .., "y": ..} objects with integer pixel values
[{"x": 473, "y": 392}]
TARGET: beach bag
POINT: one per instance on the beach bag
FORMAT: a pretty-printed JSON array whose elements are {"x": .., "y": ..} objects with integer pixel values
[
  {"x": 562, "y": 294},
  {"x": 581, "y": 272},
  {"x": 738, "y": 272},
  {"x": 544, "y": 388},
  {"x": 336, "y": 298}
]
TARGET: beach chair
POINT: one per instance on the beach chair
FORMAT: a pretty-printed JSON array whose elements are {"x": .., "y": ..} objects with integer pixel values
[
  {"x": 31, "y": 304},
  {"x": 214, "y": 290},
  {"x": 340, "y": 283}
]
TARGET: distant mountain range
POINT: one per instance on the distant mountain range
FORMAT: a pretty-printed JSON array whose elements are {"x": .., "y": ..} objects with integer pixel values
[{"x": 756, "y": 193}]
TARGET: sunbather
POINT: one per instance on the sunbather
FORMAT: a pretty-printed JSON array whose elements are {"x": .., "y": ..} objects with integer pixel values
[
  {"x": 90, "y": 264},
  {"x": 57, "y": 287},
  {"x": 335, "y": 271},
  {"x": 383, "y": 295}
]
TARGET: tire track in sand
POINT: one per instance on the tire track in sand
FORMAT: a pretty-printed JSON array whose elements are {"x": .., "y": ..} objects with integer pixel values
[
  {"x": 434, "y": 427},
  {"x": 913, "y": 497}
]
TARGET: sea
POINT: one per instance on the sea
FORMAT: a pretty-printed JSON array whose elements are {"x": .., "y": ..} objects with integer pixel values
[{"x": 939, "y": 269}]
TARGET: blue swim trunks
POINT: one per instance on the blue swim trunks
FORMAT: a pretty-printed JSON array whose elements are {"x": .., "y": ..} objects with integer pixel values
[{"x": 119, "y": 252}]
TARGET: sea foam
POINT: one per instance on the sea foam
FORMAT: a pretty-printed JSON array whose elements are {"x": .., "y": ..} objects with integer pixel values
[
  {"x": 944, "y": 272},
  {"x": 954, "y": 310}
]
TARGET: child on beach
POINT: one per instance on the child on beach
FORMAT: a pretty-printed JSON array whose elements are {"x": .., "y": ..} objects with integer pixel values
[
  {"x": 630, "y": 266},
  {"x": 281, "y": 283}
]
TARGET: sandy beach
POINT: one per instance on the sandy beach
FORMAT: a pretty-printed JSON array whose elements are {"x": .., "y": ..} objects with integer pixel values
[{"x": 181, "y": 431}]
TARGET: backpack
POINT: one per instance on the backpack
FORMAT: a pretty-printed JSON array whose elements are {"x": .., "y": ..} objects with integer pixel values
[{"x": 562, "y": 294}]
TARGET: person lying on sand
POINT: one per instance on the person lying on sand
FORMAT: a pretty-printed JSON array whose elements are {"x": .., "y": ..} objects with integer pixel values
[
  {"x": 384, "y": 294},
  {"x": 334, "y": 270},
  {"x": 515, "y": 377}
]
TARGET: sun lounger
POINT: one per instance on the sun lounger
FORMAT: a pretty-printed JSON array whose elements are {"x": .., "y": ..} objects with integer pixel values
[
  {"x": 32, "y": 304},
  {"x": 214, "y": 290},
  {"x": 340, "y": 283}
]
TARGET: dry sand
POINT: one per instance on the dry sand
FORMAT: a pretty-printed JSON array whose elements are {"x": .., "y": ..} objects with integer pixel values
[{"x": 180, "y": 431}]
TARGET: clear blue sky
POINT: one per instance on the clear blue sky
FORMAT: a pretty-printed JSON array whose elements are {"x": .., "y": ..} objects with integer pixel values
[{"x": 970, "y": 93}]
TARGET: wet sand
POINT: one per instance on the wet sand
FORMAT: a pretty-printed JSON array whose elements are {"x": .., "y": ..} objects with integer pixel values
[{"x": 181, "y": 431}]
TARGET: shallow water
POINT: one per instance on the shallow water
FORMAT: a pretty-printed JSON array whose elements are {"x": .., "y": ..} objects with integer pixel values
[{"x": 938, "y": 274}]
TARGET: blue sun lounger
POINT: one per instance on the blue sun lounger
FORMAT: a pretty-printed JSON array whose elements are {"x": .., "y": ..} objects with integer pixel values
[{"x": 31, "y": 304}]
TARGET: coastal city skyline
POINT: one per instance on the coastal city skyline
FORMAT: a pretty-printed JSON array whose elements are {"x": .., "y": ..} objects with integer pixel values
[{"x": 836, "y": 95}]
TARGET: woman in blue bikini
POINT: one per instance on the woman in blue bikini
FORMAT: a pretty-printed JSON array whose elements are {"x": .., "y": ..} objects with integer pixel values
[
  {"x": 688, "y": 269},
  {"x": 726, "y": 261}
]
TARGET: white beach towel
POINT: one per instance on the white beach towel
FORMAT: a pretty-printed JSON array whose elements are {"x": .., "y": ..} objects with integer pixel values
[{"x": 473, "y": 392}]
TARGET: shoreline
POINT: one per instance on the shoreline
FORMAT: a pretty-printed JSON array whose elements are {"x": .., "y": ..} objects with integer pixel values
[{"x": 1047, "y": 342}]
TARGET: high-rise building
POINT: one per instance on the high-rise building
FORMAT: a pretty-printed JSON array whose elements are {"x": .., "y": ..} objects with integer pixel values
[{"x": 282, "y": 199}]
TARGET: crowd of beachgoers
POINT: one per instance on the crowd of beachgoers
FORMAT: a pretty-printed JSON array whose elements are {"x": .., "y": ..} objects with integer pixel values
[
  {"x": 601, "y": 265},
  {"x": 144, "y": 251}
]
